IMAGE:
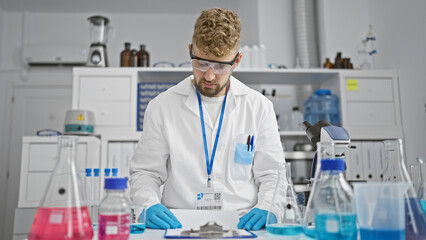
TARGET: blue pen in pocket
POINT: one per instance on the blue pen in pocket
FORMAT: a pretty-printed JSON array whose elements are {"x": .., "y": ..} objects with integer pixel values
[{"x": 251, "y": 143}]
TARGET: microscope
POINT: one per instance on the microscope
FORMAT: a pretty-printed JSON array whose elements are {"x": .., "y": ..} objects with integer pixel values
[{"x": 323, "y": 131}]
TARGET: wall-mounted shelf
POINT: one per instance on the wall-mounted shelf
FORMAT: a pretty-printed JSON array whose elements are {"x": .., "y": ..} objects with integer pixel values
[{"x": 248, "y": 76}]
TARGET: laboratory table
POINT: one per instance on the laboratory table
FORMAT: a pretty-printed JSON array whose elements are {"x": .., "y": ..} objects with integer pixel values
[
  {"x": 25, "y": 218},
  {"x": 153, "y": 234},
  {"x": 262, "y": 234}
]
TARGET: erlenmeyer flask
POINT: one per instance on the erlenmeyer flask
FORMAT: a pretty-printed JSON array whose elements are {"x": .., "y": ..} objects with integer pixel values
[
  {"x": 416, "y": 177},
  {"x": 63, "y": 214},
  {"x": 325, "y": 150},
  {"x": 284, "y": 215},
  {"x": 422, "y": 189},
  {"x": 395, "y": 171}
]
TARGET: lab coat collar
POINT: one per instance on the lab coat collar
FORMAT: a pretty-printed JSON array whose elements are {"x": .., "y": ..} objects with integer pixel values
[{"x": 185, "y": 87}]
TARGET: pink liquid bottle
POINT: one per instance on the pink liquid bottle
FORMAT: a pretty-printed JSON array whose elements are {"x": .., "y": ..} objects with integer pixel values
[
  {"x": 114, "y": 211},
  {"x": 63, "y": 213}
]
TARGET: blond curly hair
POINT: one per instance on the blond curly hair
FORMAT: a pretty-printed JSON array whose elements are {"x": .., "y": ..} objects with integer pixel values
[{"x": 217, "y": 31}]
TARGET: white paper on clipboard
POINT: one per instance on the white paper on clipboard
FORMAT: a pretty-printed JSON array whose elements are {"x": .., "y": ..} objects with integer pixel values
[{"x": 228, "y": 219}]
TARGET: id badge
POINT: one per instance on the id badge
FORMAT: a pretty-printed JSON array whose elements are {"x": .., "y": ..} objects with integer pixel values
[{"x": 209, "y": 199}]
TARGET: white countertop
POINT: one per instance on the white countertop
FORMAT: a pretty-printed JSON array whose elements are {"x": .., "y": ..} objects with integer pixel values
[{"x": 153, "y": 234}]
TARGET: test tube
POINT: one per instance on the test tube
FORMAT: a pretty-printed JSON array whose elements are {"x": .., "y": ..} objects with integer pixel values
[
  {"x": 107, "y": 175},
  {"x": 88, "y": 185},
  {"x": 96, "y": 197},
  {"x": 88, "y": 189},
  {"x": 127, "y": 191},
  {"x": 126, "y": 166}
]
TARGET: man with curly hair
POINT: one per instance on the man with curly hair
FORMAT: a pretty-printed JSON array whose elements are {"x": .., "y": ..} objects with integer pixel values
[{"x": 210, "y": 140}]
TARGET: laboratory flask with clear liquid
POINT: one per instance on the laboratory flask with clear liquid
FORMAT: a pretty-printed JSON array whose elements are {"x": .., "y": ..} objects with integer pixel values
[
  {"x": 63, "y": 213},
  {"x": 329, "y": 213},
  {"x": 325, "y": 150},
  {"x": 284, "y": 215},
  {"x": 395, "y": 171},
  {"x": 333, "y": 202}
]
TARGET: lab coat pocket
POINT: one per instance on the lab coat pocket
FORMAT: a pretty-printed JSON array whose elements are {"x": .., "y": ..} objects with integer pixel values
[
  {"x": 240, "y": 166},
  {"x": 242, "y": 154}
]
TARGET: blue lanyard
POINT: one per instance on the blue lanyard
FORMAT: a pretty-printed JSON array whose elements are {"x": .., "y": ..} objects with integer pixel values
[{"x": 210, "y": 164}]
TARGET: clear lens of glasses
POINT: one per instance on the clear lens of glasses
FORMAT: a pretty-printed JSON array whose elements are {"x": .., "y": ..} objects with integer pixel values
[{"x": 218, "y": 68}]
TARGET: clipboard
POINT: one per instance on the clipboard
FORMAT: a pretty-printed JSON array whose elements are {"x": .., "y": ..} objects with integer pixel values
[
  {"x": 192, "y": 219},
  {"x": 210, "y": 230}
]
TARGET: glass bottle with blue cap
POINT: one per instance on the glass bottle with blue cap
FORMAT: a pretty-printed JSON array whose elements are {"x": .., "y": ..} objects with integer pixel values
[
  {"x": 114, "y": 211},
  {"x": 334, "y": 213}
]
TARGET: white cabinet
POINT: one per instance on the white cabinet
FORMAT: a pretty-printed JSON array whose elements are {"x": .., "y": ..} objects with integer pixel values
[
  {"x": 366, "y": 161},
  {"x": 38, "y": 162},
  {"x": 107, "y": 88},
  {"x": 370, "y": 104},
  {"x": 110, "y": 94}
]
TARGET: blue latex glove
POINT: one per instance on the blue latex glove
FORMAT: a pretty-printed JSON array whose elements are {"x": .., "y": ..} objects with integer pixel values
[
  {"x": 159, "y": 217},
  {"x": 255, "y": 219}
]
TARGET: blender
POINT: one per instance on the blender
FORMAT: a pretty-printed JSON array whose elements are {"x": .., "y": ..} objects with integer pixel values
[{"x": 98, "y": 34}]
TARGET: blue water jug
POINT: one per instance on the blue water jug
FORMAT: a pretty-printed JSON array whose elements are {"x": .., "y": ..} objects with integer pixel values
[{"x": 322, "y": 105}]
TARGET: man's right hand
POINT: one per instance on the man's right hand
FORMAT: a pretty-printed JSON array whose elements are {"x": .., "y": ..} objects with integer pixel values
[{"x": 159, "y": 217}]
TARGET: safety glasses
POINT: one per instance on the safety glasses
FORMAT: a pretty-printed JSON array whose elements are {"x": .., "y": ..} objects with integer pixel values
[{"x": 218, "y": 67}]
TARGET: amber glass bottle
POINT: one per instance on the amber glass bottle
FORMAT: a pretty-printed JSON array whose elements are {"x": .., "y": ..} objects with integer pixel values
[
  {"x": 338, "y": 61},
  {"x": 328, "y": 64},
  {"x": 125, "y": 55},
  {"x": 143, "y": 57},
  {"x": 133, "y": 58}
]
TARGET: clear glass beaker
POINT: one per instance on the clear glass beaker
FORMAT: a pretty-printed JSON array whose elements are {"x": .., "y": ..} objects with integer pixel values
[
  {"x": 325, "y": 150},
  {"x": 63, "y": 213},
  {"x": 395, "y": 171},
  {"x": 380, "y": 210},
  {"x": 284, "y": 215}
]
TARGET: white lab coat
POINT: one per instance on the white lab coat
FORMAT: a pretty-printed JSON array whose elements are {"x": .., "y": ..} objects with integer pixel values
[{"x": 171, "y": 151}]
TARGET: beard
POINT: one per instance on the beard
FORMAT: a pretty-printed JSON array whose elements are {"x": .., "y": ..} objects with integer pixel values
[{"x": 210, "y": 92}]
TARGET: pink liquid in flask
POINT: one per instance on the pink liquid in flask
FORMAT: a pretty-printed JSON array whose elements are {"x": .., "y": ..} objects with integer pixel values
[
  {"x": 114, "y": 227},
  {"x": 54, "y": 223}
]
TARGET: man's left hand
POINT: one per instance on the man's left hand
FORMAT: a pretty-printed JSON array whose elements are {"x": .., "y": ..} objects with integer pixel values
[{"x": 253, "y": 220}]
